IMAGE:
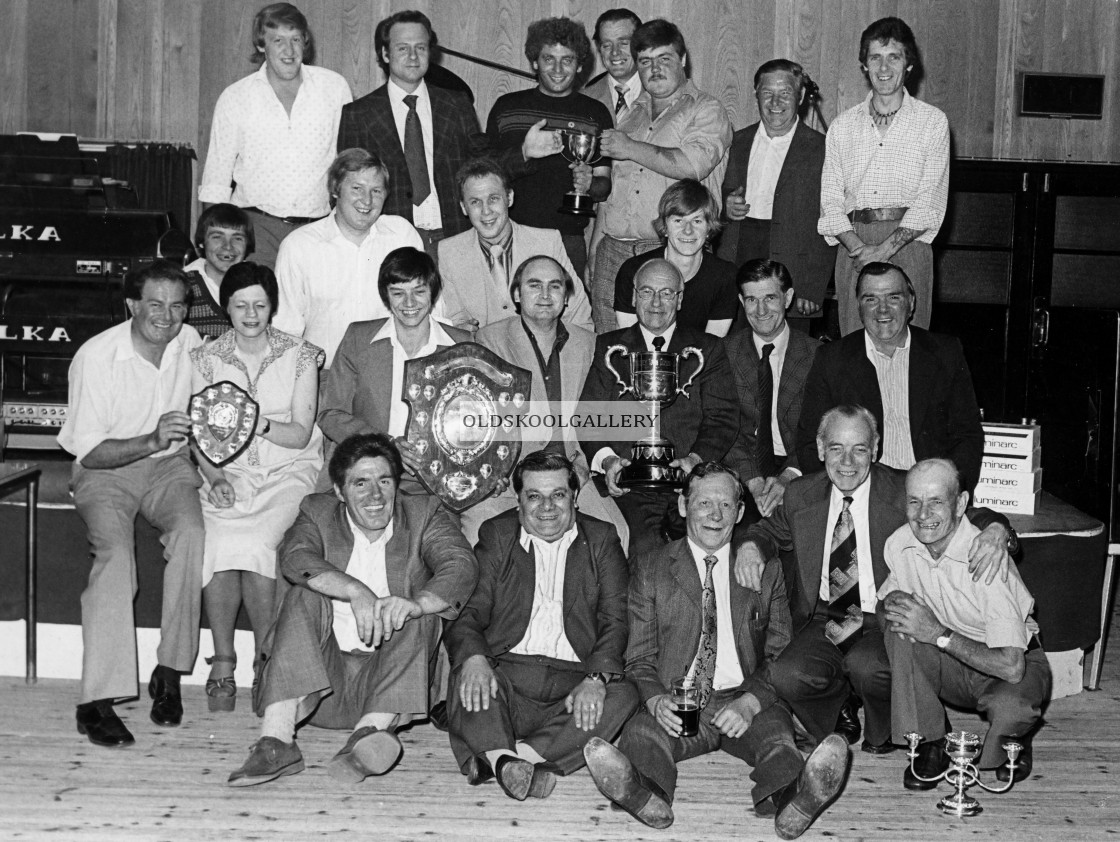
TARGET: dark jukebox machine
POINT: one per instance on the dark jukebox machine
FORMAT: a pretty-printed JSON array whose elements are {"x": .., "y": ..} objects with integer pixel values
[{"x": 68, "y": 235}]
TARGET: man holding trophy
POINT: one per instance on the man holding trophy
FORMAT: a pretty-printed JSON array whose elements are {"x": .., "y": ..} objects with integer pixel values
[{"x": 660, "y": 362}]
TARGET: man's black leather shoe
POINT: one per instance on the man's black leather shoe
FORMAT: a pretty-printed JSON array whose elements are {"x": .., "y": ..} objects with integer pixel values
[
  {"x": 930, "y": 762},
  {"x": 167, "y": 702},
  {"x": 478, "y": 770},
  {"x": 882, "y": 748},
  {"x": 98, "y": 721},
  {"x": 1023, "y": 765},
  {"x": 847, "y": 722},
  {"x": 624, "y": 785},
  {"x": 816, "y": 787}
]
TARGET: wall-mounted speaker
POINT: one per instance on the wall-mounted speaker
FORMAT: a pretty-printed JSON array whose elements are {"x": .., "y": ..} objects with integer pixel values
[{"x": 1070, "y": 96}]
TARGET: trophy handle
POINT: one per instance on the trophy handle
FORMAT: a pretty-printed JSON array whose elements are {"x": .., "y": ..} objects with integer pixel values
[
  {"x": 611, "y": 351},
  {"x": 685, "y": 354}
]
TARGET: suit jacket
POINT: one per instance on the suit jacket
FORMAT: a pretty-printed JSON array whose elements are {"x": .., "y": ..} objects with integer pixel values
[
  {"x": 744, "y": 359},
  {"x": 706, "y": 423},
  {"x": 509, "y": 341},
  {"x": 944, "y": 416},
  {"x": 427, "y": 551},
  {"x": 794, "y": 240},
  {"x": 467, "y": 283},
  {"x": 368, "y": 123},
  {"x": 666, "y": 613},
  {"x": 496, "y": 616},
  {"x": 356, "y": 398}
]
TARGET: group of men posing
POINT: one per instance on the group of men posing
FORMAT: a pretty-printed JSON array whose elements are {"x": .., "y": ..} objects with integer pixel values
[{"x": 789, "y": 600}]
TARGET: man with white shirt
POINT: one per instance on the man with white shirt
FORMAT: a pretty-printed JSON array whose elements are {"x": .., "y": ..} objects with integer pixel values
[
  {"x": 689, "y": 617},
  {"x": 537, "y": 650},
  {"x": 352, "y": 647},
  {"x": 620, "y": 85},
  {"x": 127, "y": 427},
  {"x": 326, "y": 270},
  {"x": 772, "y": 187},
  {"x": 423, "y": 134},
  {"x": 701, "y": 427},
  {"x": 282, "y": 119}
]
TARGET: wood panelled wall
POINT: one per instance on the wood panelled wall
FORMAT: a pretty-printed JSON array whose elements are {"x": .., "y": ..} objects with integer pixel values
[{"x": 152, "y": 69}]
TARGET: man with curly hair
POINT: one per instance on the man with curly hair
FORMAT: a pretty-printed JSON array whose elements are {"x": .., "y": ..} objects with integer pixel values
[{"x": 559, "y": 52}]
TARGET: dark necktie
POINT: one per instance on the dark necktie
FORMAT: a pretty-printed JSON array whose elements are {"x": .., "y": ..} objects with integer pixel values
[
  {"x": 845, "y": 616},
  {"x": 621, "y": 103},
  {"x": 414, "y": 153},
  {"x": 704, "y": 667},
  {"x": 764, "y": 450},
  {"x": 658, "y": 343}
]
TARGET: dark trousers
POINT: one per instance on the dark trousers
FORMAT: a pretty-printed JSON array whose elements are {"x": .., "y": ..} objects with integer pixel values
[
  {"x": 653, "y": 517},
  {"x": 767, "y": 746},
  {"x": 530, "y": 707},
  {"x": 301, "y": 658},
  {"x": 575, "y": 245},
  {"x": 923, "y": 677},
  {"x": 815, "y": 678}
]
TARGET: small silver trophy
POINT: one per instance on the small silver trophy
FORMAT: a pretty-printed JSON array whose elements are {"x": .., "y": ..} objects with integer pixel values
[
  {"x": 582, "y": 147},
  {"x": 654, "y": 376}
]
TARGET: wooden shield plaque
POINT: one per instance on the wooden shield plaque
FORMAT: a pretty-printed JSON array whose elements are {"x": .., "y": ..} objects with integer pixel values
[
  {"x": 453, "y": 395},
  {"x": 223, "y": 421}
]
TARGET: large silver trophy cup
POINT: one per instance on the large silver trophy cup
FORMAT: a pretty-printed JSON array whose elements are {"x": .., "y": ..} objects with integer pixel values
[
  {"x": 654, "y": 376},
  {"x": 582, "y": 147}
]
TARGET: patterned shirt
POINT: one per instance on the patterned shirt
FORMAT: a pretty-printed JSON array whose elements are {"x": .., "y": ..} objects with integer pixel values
[{"x": 907, "y": 167}]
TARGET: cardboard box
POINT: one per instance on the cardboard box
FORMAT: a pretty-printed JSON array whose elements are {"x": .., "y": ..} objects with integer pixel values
[
  {"x": 1013, "y": 439},
  {"x": 1007, "y": 502},
  {"x": 1016, "y": 482},
  {"x": 1010, "y": 462}
]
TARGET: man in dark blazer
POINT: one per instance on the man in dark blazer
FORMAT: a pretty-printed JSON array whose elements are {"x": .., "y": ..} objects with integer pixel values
[
  {"x": 690, "y": 617},
  {"x": 767, "y": 462},
  {"x": 701, "y": 427},
  {"x": 931, "y": 412},
  {"x": 813, "y": 674},
  {"x": 772, "y": 187},
  {"x": 355, "y": 639},
  {"x": 537, "y": 651},
  {"x": 404, "y": 43}
]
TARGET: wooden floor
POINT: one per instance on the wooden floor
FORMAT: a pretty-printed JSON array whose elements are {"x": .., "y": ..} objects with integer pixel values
[{"x": 172, "y": 785}]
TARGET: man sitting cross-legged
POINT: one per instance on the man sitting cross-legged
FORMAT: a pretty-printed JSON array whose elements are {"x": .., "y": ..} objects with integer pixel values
[
  {"x": 537, "y": 651},
  {"x": 355, "y": 640}
]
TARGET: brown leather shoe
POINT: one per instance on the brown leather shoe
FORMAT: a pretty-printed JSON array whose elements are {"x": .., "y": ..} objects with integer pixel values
[
  {"x": 625, "y": 786},
  {"x": 369, "y": 751},
  {"x": 269, "y": 759},
  {"x": 818, "y": 784}
]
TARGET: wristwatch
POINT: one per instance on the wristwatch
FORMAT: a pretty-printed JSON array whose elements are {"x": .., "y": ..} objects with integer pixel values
[
  {"x": 943, "y": 641},
  {"x": 605, "y": 677}
]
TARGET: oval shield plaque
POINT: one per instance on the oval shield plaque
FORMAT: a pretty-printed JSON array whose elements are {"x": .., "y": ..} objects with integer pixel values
[
  {"x": 451, "y": 395},
  {"x": 223, "y": 421}
]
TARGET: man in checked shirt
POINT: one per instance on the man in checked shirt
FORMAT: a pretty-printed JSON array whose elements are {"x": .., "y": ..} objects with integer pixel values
[{"x": 886, "y": 174}]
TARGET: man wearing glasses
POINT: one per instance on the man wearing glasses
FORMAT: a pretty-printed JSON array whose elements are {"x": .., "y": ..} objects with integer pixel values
[{"x": 701, "y": 427}]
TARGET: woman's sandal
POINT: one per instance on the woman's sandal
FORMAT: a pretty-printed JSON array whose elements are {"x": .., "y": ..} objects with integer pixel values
[{"x": 221, "y": 693}]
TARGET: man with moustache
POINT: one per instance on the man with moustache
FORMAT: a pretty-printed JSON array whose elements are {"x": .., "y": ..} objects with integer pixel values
[
  {"x": 479, "y": 264},
  {"x": 537, "y": 650},
  {"x": 672, "y": 131},
  {"x": 127, "y": 427},
  {"x": 620, "y": 85},
  {"x": 353, "y": 644},
  {"x": 885, "y": 182},
  {"x": 689, "y": 617},
  {"x": 701, "y": 427},
  {"x": 422, "y": 133},
  {"x": 769, "y": 363},
  {"x": 559, "y": 52},
  {"x": 325, "y": 269},
  {"x": 282, "y": 119},
  {"x": 772, "y": 187}
]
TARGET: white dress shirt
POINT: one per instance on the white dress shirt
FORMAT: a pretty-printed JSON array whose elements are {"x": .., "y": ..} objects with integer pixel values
[
  {"x": 328, "y": 282},
  {"x": 545, "y": 634},
  {"x": 777, "y": 361},
  {"x": 729, "y": 672},
  {"x": 768, "y": 156},
  {"x": 633, "y": 90},
  {"x": 115, "y": 393},
  {"x": 859, "y": 509},
  {"x": 398, "y": 412},
  {"x": 426, "y": 215},
  {"x": 893, "y": 374},
  {"x": 278, "y": 160},
  {"x": 367, "y": 565}
]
